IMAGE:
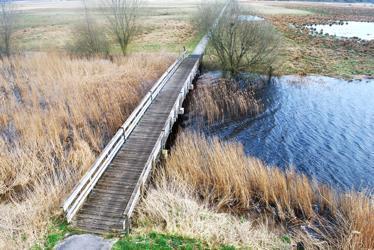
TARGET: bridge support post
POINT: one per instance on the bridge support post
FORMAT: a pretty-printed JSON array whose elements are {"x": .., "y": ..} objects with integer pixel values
[{"x": 127, "y": 225}]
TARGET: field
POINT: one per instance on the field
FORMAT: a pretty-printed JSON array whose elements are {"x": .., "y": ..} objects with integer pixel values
[
  {"x": 305, "y": 54},
  {"x": 164, "y": 26}
]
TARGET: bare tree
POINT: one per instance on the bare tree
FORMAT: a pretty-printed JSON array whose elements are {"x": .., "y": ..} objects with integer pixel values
[
  {"x": 122, "y": 16},
  {"x": 7, "y": 20},
  {"x": 242, "y": 45}
]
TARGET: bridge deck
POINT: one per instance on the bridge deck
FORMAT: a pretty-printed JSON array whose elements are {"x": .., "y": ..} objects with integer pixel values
[{"x": 103, "y": 210}]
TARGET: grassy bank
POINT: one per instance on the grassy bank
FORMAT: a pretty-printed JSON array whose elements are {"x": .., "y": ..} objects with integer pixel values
[
  {"x": 223, "y": 196},
  {"x": 57, "y": 113}
]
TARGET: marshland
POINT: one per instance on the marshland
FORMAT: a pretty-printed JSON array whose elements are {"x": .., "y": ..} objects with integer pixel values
[{"x": 274, "y": 150}]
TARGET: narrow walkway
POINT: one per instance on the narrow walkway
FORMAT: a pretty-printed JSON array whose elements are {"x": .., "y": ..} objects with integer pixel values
[{"x": 104, "y": 208}]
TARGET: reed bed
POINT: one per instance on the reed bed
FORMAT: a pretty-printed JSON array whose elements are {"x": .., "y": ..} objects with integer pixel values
[
  {"x": 222, "y": 176},
  {"x": 173, "y": 208},
  {"x": 222, "y": 101},
  {"x": 56, "y": 114}
]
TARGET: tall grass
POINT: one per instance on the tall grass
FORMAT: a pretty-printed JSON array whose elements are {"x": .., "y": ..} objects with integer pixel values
[
  {"x": 220, "y": 174},
  {"x": 221, "y": 101},
  {"x": 172, "y": 207},
  {"x": 56, "y": 114}
]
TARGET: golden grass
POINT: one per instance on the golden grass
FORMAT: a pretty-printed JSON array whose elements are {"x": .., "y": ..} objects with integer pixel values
[
  {"x": 222, "y": 101},
  {"x": 220, "y": 174},
  {"x": 56, "y": 114}
]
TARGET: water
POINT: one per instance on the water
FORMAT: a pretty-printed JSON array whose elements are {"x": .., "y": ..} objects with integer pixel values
[
  {"x": 250, "y": 18},
  {"x": 362, "y": 30},
  {"x": 322, "y": 126}
]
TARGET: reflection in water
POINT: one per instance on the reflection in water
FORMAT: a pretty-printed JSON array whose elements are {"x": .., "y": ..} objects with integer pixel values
[
  {"x": 322, "y": 126},
  {"x": 362, "y": 30}
]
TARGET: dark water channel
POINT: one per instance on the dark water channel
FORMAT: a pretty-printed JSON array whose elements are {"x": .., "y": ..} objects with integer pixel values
[{"x": 322, "y": 126}]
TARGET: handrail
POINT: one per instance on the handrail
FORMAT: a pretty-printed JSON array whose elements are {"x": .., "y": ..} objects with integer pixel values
[
  {"x": 158, "y": 146},
  {"x": 130, "y": 123},
  {"x": 80, "y": 192}
]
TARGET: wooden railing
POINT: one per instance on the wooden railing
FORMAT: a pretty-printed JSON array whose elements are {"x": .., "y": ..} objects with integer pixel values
[
  {"x": 175, "y": 111},
  {"x": 80, "y": 192}
]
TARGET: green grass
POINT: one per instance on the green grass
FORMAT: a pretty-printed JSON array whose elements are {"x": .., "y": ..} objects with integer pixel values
[
  {"x": 57, "y": 231},
  {"x": 33, "y": 19},
  {"x": 350, "y": 67},
  {"x": 155, "y": 46},
  {"x": 156, "y": 241}
]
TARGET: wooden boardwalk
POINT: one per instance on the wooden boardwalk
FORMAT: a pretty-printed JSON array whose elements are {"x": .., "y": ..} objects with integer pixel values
[{"x": 106, "y": 199}]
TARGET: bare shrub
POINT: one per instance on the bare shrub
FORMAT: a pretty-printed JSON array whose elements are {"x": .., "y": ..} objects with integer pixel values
[
  {"x": 221, "y": 175},
  {"x": 7, "y": 21},
  {"x": 223, "y": 101},
  {"x": 241, "y": 45},
  {"x": 122, "y": 16},
  {"x": 56, "y": 114},
  {"x": 89, "y": 41},
  {"x": 206, "y": 14},
  {"x": 89, "y": 38}
]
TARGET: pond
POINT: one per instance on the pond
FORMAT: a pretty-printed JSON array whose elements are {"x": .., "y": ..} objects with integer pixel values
[
  {"x": 323, "y": 127},
  {"x": 250, "y": 18},
  {"x": 350, "y": 29}
]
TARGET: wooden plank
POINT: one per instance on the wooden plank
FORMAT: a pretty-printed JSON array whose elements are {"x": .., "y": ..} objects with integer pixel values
[{"x": 119, "y": 187}]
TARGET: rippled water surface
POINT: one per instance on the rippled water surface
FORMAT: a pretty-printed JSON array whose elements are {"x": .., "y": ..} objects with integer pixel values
[
  {"x": 363, "y": 30},
  {"x": 322, "y": 126}
]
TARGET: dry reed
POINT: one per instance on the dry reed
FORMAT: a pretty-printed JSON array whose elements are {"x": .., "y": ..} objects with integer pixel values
[
  {"x": 222, "y": 101},
  {"x": 220, "y": 174},
  {"x": 56, "y": 114},
  {"x": 173, "y": 208}
]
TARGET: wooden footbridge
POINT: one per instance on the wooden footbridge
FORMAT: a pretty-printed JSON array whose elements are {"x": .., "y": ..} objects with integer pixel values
[{"x": 104, "y": 199}]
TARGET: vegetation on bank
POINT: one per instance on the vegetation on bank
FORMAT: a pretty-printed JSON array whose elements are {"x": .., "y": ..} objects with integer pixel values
[
  {"x": 226, "y": 197},
  {"x": 221, "y": 101}
]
